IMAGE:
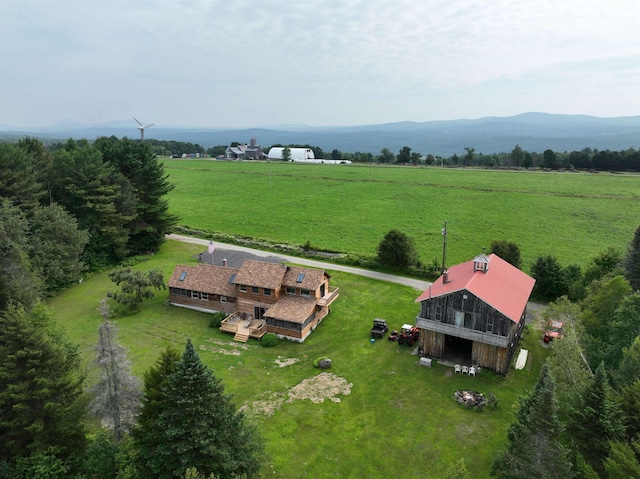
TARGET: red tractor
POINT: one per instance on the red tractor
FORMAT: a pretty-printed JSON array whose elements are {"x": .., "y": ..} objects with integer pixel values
[{"x": 409, "y": 335}]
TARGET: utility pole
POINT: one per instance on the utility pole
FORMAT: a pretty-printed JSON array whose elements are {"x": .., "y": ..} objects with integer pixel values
[{"x": 444, "y": 247}]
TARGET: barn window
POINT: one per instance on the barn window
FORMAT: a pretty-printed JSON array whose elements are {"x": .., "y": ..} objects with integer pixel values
[
  {"x": 468, "y": 320},
  {"x": 438, "y": 313},
  {"x": 459, "y": 318},
  {"x": 490, "y": 324}
]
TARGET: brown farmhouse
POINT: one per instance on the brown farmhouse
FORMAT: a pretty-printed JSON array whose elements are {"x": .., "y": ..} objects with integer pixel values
[{"x": 259, "y": 297}]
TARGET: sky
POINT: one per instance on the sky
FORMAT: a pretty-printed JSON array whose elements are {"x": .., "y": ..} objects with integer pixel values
[{"x": 252, "y": 63}]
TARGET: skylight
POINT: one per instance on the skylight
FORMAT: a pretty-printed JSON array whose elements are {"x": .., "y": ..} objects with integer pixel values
[
  {"x": 232, "y": 279},
  {"x": 300, "y": 278},
  {"x": 183, "y": 275}
]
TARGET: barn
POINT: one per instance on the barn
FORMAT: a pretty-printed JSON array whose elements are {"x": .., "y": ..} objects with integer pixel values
[
  {"x": 475, "y": 312},
  {"x": 297, "y": 154}
]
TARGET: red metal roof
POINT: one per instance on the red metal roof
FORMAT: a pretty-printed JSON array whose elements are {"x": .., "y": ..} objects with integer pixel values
[{"x": 503, "y": 287}]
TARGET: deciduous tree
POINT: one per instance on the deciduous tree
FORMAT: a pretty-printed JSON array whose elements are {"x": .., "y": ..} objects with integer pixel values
[
  {"x": 397, "y": 250},
  {"x": 135, "y": 287},
  {"x": 632, "y": 262},
  {"x": 508, "y": 251}
]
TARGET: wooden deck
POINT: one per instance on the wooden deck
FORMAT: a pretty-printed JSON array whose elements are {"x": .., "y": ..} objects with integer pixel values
[{"x": 243, "y": 329}]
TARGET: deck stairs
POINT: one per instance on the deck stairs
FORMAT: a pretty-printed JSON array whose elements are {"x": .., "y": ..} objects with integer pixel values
[{"x": 242, "y": 337}]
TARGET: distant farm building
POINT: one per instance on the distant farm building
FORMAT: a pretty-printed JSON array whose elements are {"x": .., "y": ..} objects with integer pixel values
[
  {"x": 475, "y": 312},
  {"x": 259, "y": 297},
  {"x": 252, "y": 151},
  {"x": 297, "y": 154}
]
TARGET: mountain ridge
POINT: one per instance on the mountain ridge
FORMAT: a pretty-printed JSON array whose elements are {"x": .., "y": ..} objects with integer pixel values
[{"x": 533, "y": 131}]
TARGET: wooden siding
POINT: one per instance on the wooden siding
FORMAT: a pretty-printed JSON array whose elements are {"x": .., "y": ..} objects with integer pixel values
[
  {"x": 494, "y": 336},
  {"x": 212, "y": 304}
]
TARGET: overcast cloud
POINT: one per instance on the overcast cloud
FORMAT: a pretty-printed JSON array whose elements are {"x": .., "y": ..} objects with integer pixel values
[{"x": 318, "y": 62}]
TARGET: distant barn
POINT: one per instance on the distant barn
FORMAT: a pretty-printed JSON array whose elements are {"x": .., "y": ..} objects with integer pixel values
[{"x": 297, "y": 154}]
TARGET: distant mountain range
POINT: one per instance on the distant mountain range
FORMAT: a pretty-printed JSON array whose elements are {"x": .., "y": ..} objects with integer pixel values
[{"x": 532, "y": 131}]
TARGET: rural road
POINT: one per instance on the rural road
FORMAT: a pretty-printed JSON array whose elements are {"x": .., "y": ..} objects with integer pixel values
[{"x": 235, "y": 254}]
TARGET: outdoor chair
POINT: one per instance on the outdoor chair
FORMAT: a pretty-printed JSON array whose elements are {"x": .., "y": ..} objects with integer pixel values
[
  {"x": 472, "y": 371},
  {"x": 465, "y": 370},
  {"x": 457, "y": 368}
]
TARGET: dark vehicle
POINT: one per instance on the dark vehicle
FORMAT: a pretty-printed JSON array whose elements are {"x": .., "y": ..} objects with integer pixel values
[
  {"x": 409, "y": 335},
  {"x": 379, "y": 329}
]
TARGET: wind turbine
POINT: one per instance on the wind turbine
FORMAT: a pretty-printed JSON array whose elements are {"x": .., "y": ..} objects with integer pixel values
[{"x": 141, "y": 128}]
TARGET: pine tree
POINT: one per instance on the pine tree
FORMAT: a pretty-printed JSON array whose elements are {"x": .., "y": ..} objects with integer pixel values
[
  {"x": 199, "y": 427},
  {"x": 534, "y": 449},
  {"x": 41, "y": 398},
  {"x": 596, "y": 421},
  {"x": 153, "y": 403},
  {"x": 137, "y": 162},
  {"x": 116, "y": 396},
  {"x": 632, "y": 262}
]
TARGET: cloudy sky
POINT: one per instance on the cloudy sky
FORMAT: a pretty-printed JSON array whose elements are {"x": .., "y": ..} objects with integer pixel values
[{"x": 247, "y": 63}]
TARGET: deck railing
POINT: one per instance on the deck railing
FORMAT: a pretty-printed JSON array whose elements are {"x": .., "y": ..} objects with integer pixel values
[{"x": 329, "y": 298}]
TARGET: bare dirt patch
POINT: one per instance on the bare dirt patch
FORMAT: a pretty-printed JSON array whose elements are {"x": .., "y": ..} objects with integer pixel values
[
  {"x": 317, "y": 389},
  {"x": 282, "y": 362},
  {"x": 235, "y": 347}
]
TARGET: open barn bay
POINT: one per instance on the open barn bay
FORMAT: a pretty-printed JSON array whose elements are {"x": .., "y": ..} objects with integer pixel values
[{"x": 349, "y": 208}]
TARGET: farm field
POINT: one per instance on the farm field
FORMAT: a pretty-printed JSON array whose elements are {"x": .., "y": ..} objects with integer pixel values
[
  {"x": 387, "y": 416},
  {"x": 349, "y": 208}
]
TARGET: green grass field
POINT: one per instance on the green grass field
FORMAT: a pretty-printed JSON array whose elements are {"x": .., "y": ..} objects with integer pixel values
[
  {"x": 398, "y": 421},
  {"x": 572, "y": 216}
]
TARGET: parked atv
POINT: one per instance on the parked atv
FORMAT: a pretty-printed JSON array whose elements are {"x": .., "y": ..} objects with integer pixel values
[
  {"x": 409, "y": 335},
  {"x": 379, "y": 329}
]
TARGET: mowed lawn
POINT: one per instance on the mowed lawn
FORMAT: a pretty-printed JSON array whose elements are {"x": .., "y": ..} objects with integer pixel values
[
  {"x": 399, "y": 420},
  {"x": 349, "y": 208}
]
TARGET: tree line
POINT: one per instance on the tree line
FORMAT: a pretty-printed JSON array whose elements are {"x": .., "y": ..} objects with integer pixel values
[{"x": 75, "y": 208}]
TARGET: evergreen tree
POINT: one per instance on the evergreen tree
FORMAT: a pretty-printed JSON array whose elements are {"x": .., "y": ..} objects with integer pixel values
[
  {"x": 137, "y": 162},
  {"x": 116, "y": 395},
  {"x": 534, "y": 448},
  {"x": 622, "y": 462},
  {"x": 550, "y": 278},
  {"x": 41, "y": 401},
  {"x": 199, "y": 427},
  {"x": 632, "y": 262},
  {"x": 596, "y": 421},
  {"x": 18, "y": 181},
  {"x": 154, "y": 402},
  {"x": 98, "y": 196}
]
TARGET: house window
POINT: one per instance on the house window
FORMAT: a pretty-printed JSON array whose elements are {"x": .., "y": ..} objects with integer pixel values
[
  {"x": 204, "y": 296},
  {"x": 195, "y": 294},
  {"x": 291, "y": 290},
  {"x": 243, "y": 288},
  {"x": 267, "y": 292},
  {"x": 304, "y": 292},
  {"x": 255, "y": 290},
  {"x": 183, "y": 292},
  {"x": 438, "y": 313},
  {"x": 223, "y": 299}
]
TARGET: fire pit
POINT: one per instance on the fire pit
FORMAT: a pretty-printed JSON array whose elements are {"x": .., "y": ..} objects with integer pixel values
[{"x": 470, "y": 399}]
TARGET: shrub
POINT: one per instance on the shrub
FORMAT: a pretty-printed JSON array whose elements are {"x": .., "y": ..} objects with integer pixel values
[
  {"x": 269, "y": 340},
  {"x": 216, "y": 319}
]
